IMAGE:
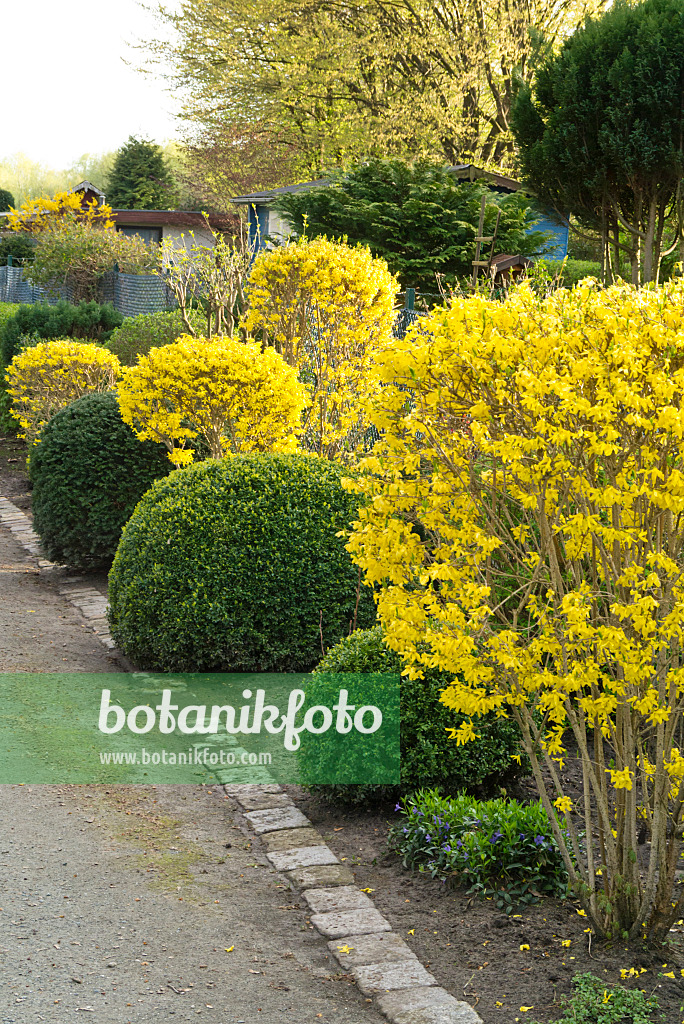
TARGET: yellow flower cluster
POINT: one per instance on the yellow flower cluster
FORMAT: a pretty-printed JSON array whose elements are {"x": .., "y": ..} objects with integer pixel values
[
  {"x": 328, "y": 309},
  {"x": 37, "y": 215},
  {"x": 523, "y": 526},
  {"x": 232, "y": 395},
  {"x": 47, "y": 377}
]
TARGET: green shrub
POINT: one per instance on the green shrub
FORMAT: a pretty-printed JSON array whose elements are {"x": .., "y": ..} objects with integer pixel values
[
  {"x": 498, "y": 848},
  {"x": 428, "y": 756},
  {"x": 138, "y": 334},
  {"x": 594, "y": 1002},
  {"x": 89, "y": 470},
  {"x": 572, "y": 271},
  {"x": 6, "y": 200},
  {"x": 88, "y": 320},
  {"x": 20, "y": 245},
  {"x": 8, "y": 424},
  {"x": 236, "y": 565}
]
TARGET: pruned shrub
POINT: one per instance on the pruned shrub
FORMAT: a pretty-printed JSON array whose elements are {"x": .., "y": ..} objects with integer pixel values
[
  {"x": 88, "y": 320},
  {"x": 236, "y": 565},
  {"x": 138, "y": 334},
  {"x": 229, "y": 394},
  {"x": 88, "y": 473},
  {"x": 328, "y": 308},
  {"x": 50, "y": 375},
  {"x": 428, "y": 756}
]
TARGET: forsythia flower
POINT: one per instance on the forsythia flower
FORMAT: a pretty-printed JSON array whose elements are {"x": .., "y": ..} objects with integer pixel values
[
  {"x": 47, "y": 377},
  {"x": 564, "y": 804},
  {"x": 233, "y": 395},
  {"x": 328, "y": 308}
]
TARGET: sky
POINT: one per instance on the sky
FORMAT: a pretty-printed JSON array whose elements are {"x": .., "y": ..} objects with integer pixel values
[{"x": 66, "y": 88}]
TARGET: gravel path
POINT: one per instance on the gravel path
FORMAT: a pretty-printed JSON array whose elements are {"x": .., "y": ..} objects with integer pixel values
[{"x": 142, "y": 904}]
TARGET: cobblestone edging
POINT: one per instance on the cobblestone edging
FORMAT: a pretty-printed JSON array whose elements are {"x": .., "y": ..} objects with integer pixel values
[
  {"x": 90, "y": 602},
  {"x": 360, "y": 938}
]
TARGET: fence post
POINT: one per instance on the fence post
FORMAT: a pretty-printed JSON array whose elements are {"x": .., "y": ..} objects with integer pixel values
[
  {"x": 10, "y": 262},
  {"x": 410, "y": 298}
]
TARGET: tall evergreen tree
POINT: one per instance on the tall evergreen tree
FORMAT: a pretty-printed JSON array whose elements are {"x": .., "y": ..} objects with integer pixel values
[
  {"x": 601, "y": 133},
  {"x": 140, "y": 178}
]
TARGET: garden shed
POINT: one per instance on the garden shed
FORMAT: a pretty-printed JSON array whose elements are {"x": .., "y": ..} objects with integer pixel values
[{"x": 266, "y": 223}]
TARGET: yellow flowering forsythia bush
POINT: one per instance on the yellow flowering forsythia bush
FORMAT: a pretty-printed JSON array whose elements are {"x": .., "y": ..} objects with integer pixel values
[
  {"x": 49, "y": 376},
  {"x": 539, "y": 557},
  {"x": 327, "y": 308},
  {"x": 232, "y": 395},
  {"x": 37, "y": 215}
]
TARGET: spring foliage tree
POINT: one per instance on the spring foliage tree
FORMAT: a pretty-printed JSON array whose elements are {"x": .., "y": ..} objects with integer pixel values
[
  {"x": 47, "y": 377},
  {"x": 601, "y": 133},
  {"x": 327, "y": 308},
  {"x": 231, "y": 395},
  {"x": 538, "y": 556},
  {"x": 419, "y": 218},
  {"x": 330, "y": 82}
]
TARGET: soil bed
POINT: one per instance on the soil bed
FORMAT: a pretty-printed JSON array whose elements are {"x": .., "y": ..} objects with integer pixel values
[{"x": 471, "y": 947}]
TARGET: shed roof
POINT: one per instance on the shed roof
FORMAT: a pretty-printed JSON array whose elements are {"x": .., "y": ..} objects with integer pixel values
[
  {"x": 173, "y": 218},
  {"x": 87, "y": 186},
  {"x": 461, "y": 171}
]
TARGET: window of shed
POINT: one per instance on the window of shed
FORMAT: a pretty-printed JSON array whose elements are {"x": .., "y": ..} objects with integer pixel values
[{"x": 147, "y": 234}]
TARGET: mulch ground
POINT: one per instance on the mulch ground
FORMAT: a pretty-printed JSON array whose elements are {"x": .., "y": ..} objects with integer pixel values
[
  {"x": 474, "y": 950},
  {"x": 471, "y": 948}
]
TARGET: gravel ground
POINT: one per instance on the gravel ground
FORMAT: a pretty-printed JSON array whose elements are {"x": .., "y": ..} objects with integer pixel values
[{"x": 140, "y": 903}]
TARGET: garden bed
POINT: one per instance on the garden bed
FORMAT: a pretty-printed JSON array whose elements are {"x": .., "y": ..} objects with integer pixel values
[{"x": 472, "y": 948}]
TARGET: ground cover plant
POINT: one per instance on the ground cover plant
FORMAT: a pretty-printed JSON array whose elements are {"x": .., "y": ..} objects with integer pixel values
[
  {"x": 232, "y": 395},
  {"x": 538, "y": 556},
  {"x": 593, "y": 1002},
  {"x": 498, "y": 848},
  {"x": 88, "y": 473},
  {"x": 237, "y": 565}
]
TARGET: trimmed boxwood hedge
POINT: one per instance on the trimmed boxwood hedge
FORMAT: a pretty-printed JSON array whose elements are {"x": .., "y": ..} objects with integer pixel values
[
  {"x": 236, "y": 565},
  {"x": 88, "y": 471},
  {"x": 429, "y": 759}
]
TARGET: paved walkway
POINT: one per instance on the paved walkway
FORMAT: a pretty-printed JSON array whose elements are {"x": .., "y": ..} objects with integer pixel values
[{"x": 136, "y": 904}]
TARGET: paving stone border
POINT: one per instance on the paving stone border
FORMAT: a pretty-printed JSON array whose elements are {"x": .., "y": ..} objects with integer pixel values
[
  {"x": 361, "y": 939},
  {"x": 90, "y": 602}
]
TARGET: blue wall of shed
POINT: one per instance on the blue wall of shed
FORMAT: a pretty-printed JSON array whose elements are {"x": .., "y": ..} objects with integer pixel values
[{"x": 557, "y": 247}]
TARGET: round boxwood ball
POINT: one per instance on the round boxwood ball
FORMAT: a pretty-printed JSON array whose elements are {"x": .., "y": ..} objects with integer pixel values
[
  {"x": 89, "y": 471},
  {"x": 235, "y": 565}
]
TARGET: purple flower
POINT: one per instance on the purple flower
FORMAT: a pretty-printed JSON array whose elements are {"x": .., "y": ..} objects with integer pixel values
[
  {"x": 447, "y": 849},
  {"x": 459, "y": 844},
  {"x": 398, "y": 807},
  {"x": 539, "y": 840},
  {"x": 495, "y": 836}
]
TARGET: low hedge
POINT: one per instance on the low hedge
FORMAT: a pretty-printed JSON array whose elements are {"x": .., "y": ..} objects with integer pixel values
[
  {"x": 89, "y": 471},
  {"x": 428, "y": 756},
  {"x": 87, "y": 320},
  {"x": 236, "y": 565}
]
